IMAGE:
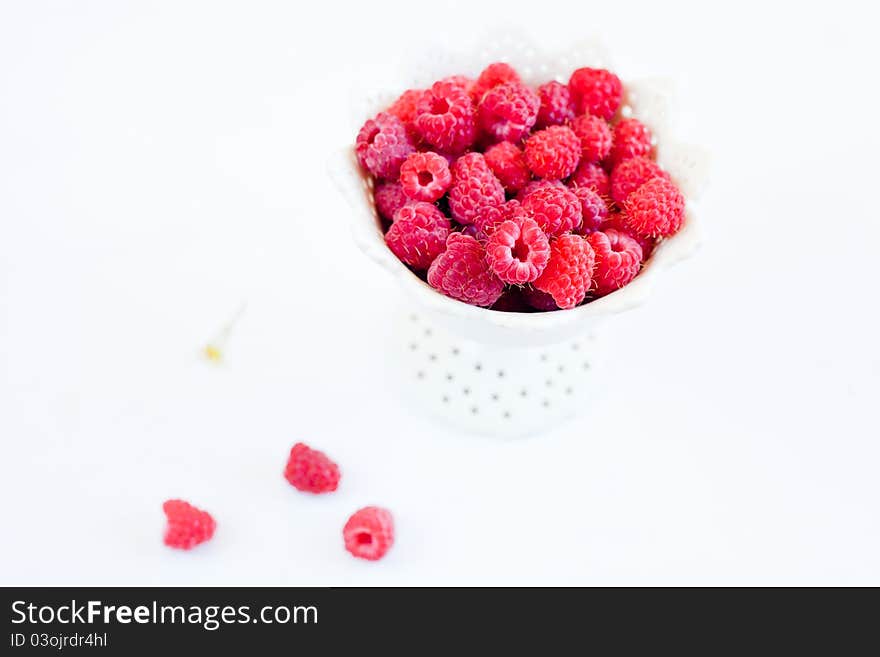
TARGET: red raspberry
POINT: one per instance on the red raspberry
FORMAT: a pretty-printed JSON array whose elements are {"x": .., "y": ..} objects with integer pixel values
[
  {"x": 404, "y": 108},
  {"x": 473, "y": 186},
  {"x": 509, "y": 165},
  {"x": 593, "y": 209},
  {"x": 591, "y": 175},
  {"x": 631, "y": 139},
  {"x": 518, "y": 250},
  {"x": 538, "y": 300},
  {"x": 425, "y": 176},
  {"x": 553, "y": 152},
  {"x": 418, "y": 234},
  {"x": 511, "y": 301},
  {"x": 568, "y": 275},
  {"x": 187, "y": 525},
  {"x": 630, "y": 174},
  {"x": 617, "y": 221},
  {"x": 618, "y": 259},
  {"x": 490, "y": 217},
  {"x": 461, "y": 81},
  {"x": 461, "y": 272},
  {"x": 556, "y": 209},
  {"x": 557, "y": 107},
  {"x": 445, "y": 117},
  {"x": 508, "y": 111},
  {"x": 535, "y": 185},
  {"x": 369, "y": 533},
  {"x": 492, "y": 76},
  {"x": 382, "y": 145},
  {"x": 310, "y": 470},
  {"x": 596, "y": 91},
  {"x": 389, "y": 198},
  {"x": 595, "y": 136},
  {"x": 656, "y": 209}
]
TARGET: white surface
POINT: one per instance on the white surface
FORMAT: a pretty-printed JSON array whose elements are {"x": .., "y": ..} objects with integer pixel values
[{"x": 161, "y": 162}]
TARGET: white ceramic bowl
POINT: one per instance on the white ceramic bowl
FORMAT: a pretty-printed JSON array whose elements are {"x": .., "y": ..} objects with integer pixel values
[{"x": 478, "y": 368}]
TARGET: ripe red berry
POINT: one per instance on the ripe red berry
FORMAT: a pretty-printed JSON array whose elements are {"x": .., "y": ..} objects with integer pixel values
[
  {"x": 557, "y": 106},
  {"x": 508, "y": 111},
  {"x": 418, "y": 234},
  {"x": 568, "y": 275},
  {"x": 595, "y": 136},
  {"x": 538, "y": 300},
  {"x": 518, "y": 250},
  {"x": 553, "y": 152},
  {"x": 369, "y": 533},
  {"x": 389, "y": 198},
  {"x": 557, "y": 210},
  {"x": 593, "y": 208},
  {"x": 473, "y": 186},
  {"x": 382, "y": 145},
  {"x": 656, "y": 209},
  {"x": 631, "y": 174},
  {"x": 618, "y": 259},
  {"x": 461, "y": 272},
  {"x": 446, "y": 118},
  {"x": 311, "y": 471},
  {"x": 187, "y": 526},
  {"x": 508, "y": 163},
  {"x": 404, "y": 108},
  {"x": 631, "y": 139},
  {"x": 425, "y": 176},
  {"x": 592, "y": 176},
  {"x": 492, "y": 76},
  {"x": 596, "y": 91}
]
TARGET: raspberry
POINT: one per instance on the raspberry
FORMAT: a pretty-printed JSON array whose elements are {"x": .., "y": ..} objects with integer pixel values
[
  {"x": 509, "y": 165},
  {"x": 310, "y": 470},
  {"x": 492, "y": 76},
  {"x": 508, "y": 111},
  {"x": 490, "y": 217},
  {"x": 461, "y": 81},
  {"x": 473, "y": 186},
  {"x": 568, "y": 275},
  {"x": 593, "y": 209},
  {"x": 596, "y": 91},
  {"x": 591, "y": 175},
  {"x": 618, "y": 259},
  {"x": 418, "y": 234},
  {"x": 630, "y": 174},
  {"x": 535, "y": 185},
  {"x": 389, "y": 198},
  {"x": 461, "y": 272},
  {"x": 556, "y": 209},
  {"x": 538, "y": 300},
  {"x": 557, "y": 107},
  {"x": 369, "y": 533},
  {"x": 631, "y": 139},
  {"x": 595, "y": 136},
  {"x": 187, "y": 525},
  {"x": 382, "y": 145},
  {"x": 404, "y": 108},
  {"x": 617, "y": 221},
  {"x": 656, "y": 209},
  {"x": 511, "y": 301},
  {"x": 445, "y": 117},
  {"x": 553, "y": 152},
  {"x": 425, "y": 176},
  {"x": 518, "y": 250}
]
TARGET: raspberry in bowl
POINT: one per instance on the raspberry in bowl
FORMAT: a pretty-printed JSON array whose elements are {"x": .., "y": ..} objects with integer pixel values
[{"x": 519, "y": 203}]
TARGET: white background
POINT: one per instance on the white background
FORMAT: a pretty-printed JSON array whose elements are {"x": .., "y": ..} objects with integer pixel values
[{"x": 162, "y": 162}]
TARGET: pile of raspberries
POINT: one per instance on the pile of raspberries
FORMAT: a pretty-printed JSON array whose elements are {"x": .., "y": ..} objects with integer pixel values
[{"x": 519, "y": 199}]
